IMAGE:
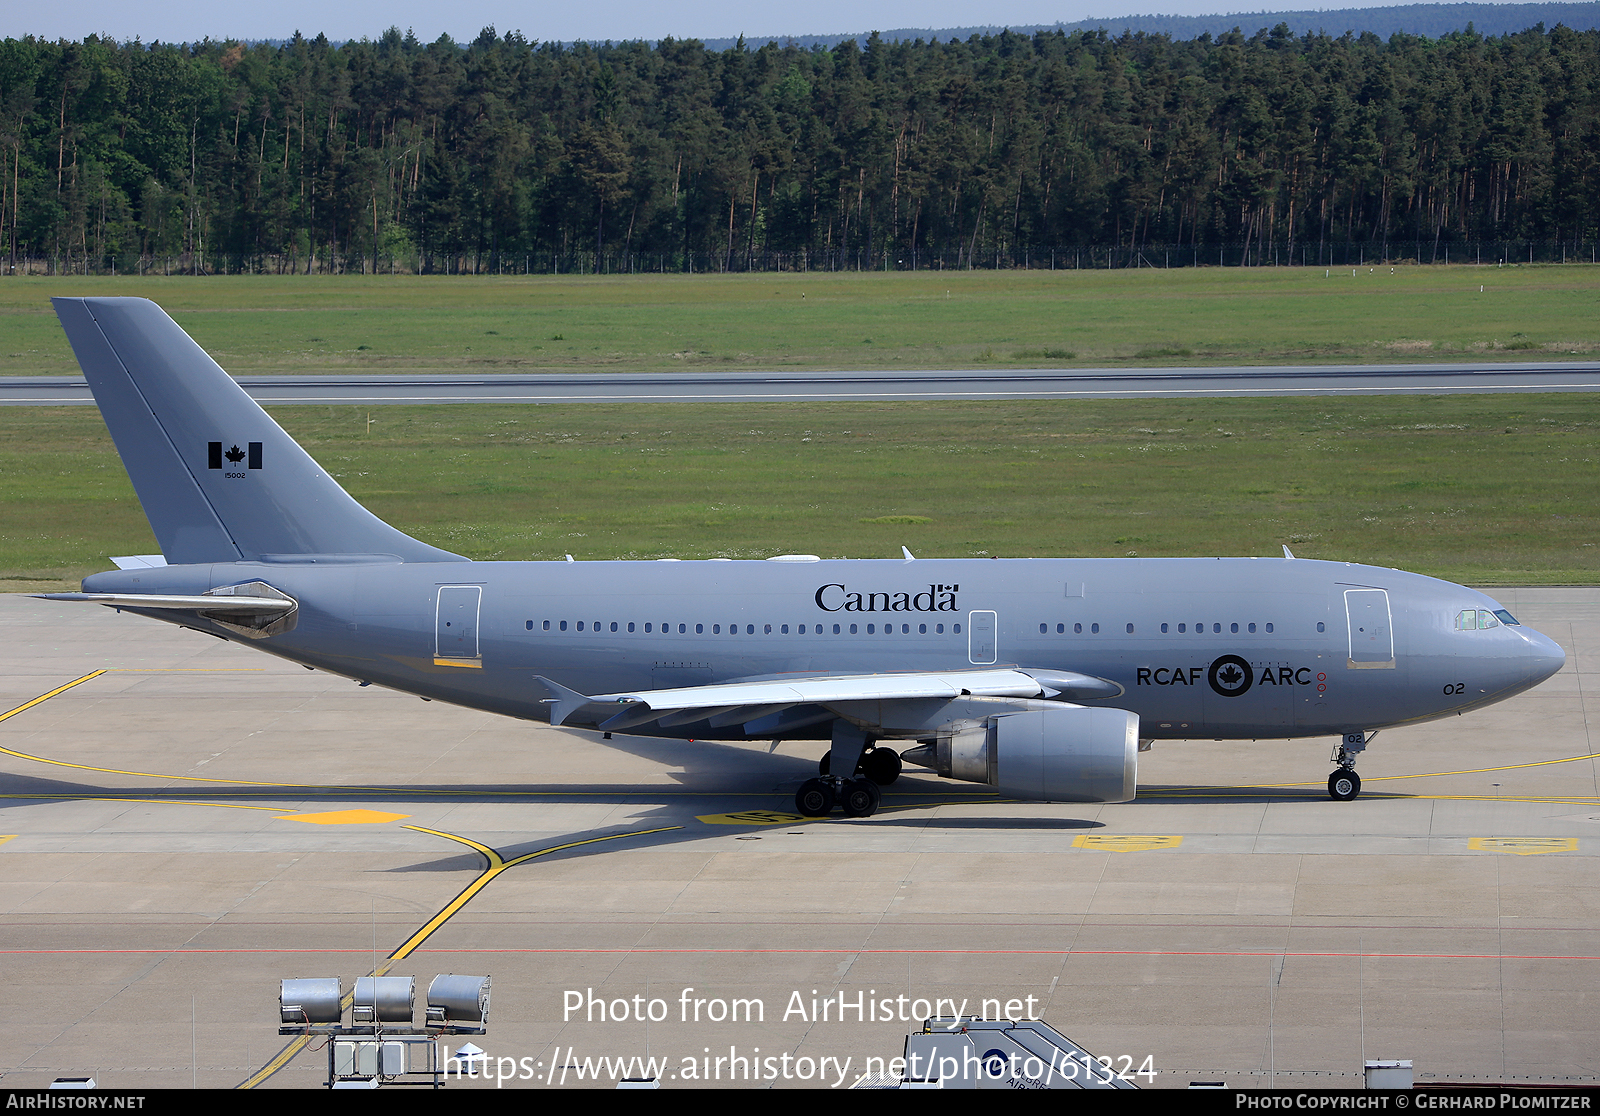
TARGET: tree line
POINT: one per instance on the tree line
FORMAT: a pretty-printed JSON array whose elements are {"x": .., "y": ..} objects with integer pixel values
[{"x": 509, "y": 154}]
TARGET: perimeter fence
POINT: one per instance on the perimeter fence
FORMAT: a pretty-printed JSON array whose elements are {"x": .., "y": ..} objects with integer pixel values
[{"x": 1305, "y": 254}]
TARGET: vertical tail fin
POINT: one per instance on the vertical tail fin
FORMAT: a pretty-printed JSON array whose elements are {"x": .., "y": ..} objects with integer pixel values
[{"x": 218, "y": 479}]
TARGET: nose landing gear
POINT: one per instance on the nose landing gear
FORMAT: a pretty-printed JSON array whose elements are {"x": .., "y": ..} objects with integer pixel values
[{"x": 1344, "y": 785}]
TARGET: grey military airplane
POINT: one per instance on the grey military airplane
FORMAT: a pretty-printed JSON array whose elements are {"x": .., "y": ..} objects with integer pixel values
[{"x": 1041, "y": 678}]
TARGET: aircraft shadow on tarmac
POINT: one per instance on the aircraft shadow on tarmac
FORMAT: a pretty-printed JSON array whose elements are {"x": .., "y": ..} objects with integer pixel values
[{"x": 20, "y": 790}]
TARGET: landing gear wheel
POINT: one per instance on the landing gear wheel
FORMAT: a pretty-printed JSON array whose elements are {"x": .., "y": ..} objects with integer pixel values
[
  {"x": 1344, "y": 785},
  {"x": 814, "y": 799},
  {"x": 881, "y": 765},
  {"x": 860, "y": 798}
]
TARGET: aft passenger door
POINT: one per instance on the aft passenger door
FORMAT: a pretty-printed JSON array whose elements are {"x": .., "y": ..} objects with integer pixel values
[{"x": 455, "y": 626}]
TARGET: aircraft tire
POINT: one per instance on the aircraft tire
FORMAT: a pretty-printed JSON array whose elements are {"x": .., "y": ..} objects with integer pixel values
[
  {"x": 881, "y": 765},
  {"x": 860, "y": 798},
  {"x": 814, "y": 799},
  {"x": 1344, "y": 785}
]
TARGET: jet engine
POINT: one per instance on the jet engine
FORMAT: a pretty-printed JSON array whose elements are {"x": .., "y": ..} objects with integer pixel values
[{"x": 1070, "y": 754}]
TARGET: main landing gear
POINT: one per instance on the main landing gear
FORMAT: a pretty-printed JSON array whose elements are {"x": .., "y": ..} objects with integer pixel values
[
  {"x": 858, "y": 797},
  {"x": 881, "y": 765},
  {"x": 1344, "y": 785}
]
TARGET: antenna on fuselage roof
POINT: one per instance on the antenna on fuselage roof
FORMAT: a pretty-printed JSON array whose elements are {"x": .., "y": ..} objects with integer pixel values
[{"x": 1287, "y": 553}]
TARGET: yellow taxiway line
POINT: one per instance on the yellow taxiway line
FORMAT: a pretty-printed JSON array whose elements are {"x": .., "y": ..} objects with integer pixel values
[{"x": 496, "y": 864}]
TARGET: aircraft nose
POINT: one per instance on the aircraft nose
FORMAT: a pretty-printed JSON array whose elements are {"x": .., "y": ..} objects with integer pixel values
[{"x": 1545, "y": 656}]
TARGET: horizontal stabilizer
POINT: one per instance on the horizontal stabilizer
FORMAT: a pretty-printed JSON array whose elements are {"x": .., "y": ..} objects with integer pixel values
[
  {"x": 254, "y": 610},
  {"x": 140, "y": 561},
  {"x": 228, "y": 606}
]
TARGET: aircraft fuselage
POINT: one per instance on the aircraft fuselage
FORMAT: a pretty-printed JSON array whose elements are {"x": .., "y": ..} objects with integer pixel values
[{"x": 1201, "y": 648}]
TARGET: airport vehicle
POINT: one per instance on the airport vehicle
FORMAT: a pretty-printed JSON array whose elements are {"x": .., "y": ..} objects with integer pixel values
[{"x": 1040, "y": 677}]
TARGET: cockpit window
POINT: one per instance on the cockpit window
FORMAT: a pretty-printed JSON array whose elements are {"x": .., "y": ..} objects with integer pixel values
[{"x": 1476, "y": 619}]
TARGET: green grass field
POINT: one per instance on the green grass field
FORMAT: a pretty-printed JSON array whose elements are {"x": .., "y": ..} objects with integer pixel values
[
  {"x": 257, "y": 325},
  {"x": 1480, "y": 489}
]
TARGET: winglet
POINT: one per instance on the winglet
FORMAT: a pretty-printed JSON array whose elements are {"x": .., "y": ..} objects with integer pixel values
[
  {"x": 910, "y": 557},
  {"x": 565, "y": 702},
  {"x": 1286, "y": 552}
]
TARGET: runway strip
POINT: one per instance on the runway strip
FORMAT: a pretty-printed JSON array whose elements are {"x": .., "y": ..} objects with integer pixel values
[{"x": 930, "y": 384}]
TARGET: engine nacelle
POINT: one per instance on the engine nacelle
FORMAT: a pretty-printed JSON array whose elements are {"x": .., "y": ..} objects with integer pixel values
[{"x": 1071, "y": 754}]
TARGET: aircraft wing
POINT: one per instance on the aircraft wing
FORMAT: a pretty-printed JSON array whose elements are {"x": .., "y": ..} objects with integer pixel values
[{"x": 735, "y": 702}]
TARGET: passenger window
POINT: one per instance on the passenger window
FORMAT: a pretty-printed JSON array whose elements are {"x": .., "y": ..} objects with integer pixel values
[
  {"x": 563, "y": 625},
  {"x": 922, "y": 629},
  {"x": 870, "y": 629},
  {"x": 1216, "y": 629},
  {"x": 1233, "y": 628},
  {"x": 1163, "y": 629},
  {"x": 1183, "y": 628},
  {"x": 580, "y": 625},
  {"x": 1094, "y": 629},
  {"x": 1077, "y": 629},
  {"x": 613, "y": 625},
  {"x": 547, "y": 625},
  {"x": 1043, "y": 628},
  {"x": 750, "y": 629},
  {"x": 852, "y": 629},
  {"x": 905, "y": 629},
  {"x": 836, "y": 629},
  {"x": 699, "y": 629},
  {"x": 1130, "y": 629},
  {"x": 1320, "y": 626},
  {"x": 1269, "y": 629},
  {"x": 1252, "y": 629},
  {"x": 1060, "y": 629},
  {"x": 938, "y": 629},
  {"x": 955, "y": 629}
]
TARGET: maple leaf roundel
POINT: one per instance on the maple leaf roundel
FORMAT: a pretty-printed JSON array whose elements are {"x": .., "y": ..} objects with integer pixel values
[{"x": 1230, "y": 675}]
